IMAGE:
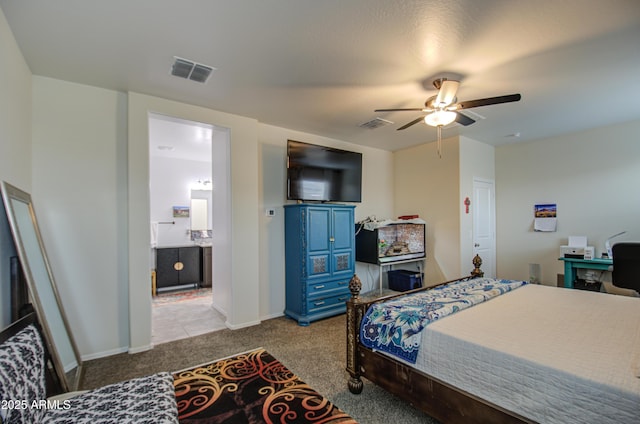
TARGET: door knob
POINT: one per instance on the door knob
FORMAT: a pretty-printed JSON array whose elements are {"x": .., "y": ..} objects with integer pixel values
[{"x": 476, "y": 245}]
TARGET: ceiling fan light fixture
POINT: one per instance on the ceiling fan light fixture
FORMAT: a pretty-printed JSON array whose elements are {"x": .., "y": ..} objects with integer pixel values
[{"x": 440, "y": 118}]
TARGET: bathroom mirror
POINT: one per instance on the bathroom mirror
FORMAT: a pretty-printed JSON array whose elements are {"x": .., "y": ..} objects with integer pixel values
[
  {"x": 201, "y": 218},
  {"x": 199, "y": 214},
  {"x": 41, "y": 285}
]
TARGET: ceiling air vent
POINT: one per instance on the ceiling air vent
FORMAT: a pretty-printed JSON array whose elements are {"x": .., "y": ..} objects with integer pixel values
[
  {"x": 473, "y": 114},
  {"x": 375, "y": 123},
  {"x": 190, "y": 70}
]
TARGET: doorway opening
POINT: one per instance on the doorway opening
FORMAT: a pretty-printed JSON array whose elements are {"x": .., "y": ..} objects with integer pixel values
[{"x": 182, "y": 194}]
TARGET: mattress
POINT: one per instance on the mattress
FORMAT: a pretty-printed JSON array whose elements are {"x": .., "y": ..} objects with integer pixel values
[{"x": 551, "y": 354}]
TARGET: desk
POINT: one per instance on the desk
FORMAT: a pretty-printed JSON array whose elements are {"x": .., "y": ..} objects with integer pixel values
[{"x": 571, "y": 265}]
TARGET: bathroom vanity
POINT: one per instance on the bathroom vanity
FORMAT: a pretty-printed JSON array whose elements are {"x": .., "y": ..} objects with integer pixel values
[{"x": 178, "y": 266}]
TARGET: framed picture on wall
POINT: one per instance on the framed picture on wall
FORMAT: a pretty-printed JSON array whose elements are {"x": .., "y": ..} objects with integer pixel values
[
  {"x": 181, "y": 211},
  {"x": 547, "y": 210}
]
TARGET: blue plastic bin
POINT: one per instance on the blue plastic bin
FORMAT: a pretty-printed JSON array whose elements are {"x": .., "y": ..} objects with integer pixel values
[{"x": 404, "y": 279}]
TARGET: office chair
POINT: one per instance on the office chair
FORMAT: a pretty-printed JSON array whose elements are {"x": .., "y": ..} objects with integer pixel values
[{"x": 626, "y": 265}]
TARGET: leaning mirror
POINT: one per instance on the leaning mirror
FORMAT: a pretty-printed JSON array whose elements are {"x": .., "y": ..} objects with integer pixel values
[{"x": 41, "y": 284}]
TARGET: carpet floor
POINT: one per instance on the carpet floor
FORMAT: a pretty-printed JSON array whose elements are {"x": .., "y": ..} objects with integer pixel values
[{"x": 315, "y": 353}]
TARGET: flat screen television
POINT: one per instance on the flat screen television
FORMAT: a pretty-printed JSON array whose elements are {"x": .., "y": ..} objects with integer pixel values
[{"x": 320, "y": 173}]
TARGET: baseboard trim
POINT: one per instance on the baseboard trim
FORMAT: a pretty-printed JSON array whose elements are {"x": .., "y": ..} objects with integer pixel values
[
  {"x": 271, "y": 316},
  {"x": 140, "y": 348},
  {"x": 104, "y": 354},
  {"x": 243, "y": 325}
]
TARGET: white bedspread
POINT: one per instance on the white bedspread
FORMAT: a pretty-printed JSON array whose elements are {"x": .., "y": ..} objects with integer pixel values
[{"x": 551, "y": 354}]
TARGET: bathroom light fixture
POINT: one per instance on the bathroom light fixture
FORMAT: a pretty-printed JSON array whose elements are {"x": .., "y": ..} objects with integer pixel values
[{"x": 202, "y": 185}]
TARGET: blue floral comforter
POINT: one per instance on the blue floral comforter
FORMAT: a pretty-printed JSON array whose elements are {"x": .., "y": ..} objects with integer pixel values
[{"x": 395, "y": 326}]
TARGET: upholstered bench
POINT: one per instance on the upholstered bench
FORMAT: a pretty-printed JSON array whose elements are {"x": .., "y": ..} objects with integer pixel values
[{"x": 149, "y": 399}]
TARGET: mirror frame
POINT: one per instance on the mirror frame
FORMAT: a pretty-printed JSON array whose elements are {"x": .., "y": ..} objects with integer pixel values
[{"x": 9, "y": 194}]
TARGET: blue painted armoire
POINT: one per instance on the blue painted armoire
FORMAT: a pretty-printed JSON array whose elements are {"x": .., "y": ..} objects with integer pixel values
[{"x": 320, "y": 259}]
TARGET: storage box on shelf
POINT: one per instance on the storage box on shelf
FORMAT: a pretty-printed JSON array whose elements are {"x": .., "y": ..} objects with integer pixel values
[{"x": 404, "y": 279}]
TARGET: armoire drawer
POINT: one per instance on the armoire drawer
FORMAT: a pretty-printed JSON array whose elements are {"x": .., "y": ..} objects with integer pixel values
[
  {"x": 327, "y": 287},
  {"x": 330, "y": 302}
]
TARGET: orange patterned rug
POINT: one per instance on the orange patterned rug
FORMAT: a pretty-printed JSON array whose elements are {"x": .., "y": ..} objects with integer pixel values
[{"x": 251, "y": 387}]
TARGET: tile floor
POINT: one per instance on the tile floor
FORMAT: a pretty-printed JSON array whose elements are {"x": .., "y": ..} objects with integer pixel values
[{"x": 184, "y": 319}]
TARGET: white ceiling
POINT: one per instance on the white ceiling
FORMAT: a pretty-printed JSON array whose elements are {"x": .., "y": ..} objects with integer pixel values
[{"x": 323, "y": 66}]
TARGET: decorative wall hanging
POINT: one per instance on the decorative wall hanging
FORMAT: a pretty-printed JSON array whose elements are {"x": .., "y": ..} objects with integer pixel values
[
  {"x": 181, "y": 211},
  {"x": 545, "y": 217}
]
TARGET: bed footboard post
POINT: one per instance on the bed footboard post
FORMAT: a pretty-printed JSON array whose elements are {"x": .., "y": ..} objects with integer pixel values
[
  {"x": 354, "y": 317},
  {"x": 477, "y": 263}
]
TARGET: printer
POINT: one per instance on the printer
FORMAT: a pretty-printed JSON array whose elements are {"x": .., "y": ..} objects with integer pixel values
[
  {"x": 586, "y": 252},
  {"x": 577, "y": 249}
]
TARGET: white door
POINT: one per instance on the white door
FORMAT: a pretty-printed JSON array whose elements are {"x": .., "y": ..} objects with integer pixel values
[{"x": 484, "y": 224}]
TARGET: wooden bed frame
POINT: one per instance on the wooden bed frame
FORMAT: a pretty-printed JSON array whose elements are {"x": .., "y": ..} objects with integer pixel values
[{"x": 431, "y": 395}]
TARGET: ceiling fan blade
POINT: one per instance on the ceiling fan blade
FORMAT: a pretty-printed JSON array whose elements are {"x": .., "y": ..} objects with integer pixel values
[
  {"x": 446, "y": 93},
  {"x": 415, "y": 121},
  {"x": 463, "y": 119},
  {"x": 489, "y": 101},
  {"x": 415, "y": 109}
]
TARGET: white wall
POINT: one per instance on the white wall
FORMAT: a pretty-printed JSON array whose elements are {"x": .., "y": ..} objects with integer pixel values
[
  {"x": 79, "y": 193},
  {"x": 92, "y": 180},
  {"x": 592, "y": 176},
  {"x": 429, "y": 186},
  {"x": 93, "y": 208},
  {"x": 80, "y": 179},
  {"x": 377, "y": 199},
  {"x": 223, "y": 233},
  {"x": 170, "y": 182},
  {"x": 15, "y": 144},
  {"x": 238, "y": 250}
]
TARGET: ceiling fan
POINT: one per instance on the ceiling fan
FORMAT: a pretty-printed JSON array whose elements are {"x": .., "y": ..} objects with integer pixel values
[{"x": 443, "y": 109}]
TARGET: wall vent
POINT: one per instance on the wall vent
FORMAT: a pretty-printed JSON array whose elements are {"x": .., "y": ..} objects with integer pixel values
[
  {"x": 375, "y": 123},
  {"x": 187, "y": 69}
]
